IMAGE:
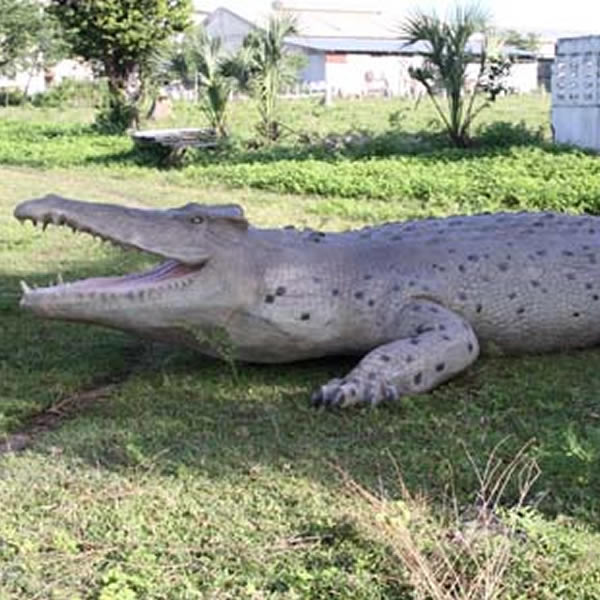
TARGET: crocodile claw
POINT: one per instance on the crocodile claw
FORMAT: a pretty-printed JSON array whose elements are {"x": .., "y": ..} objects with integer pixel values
[{"x": 340, "y": 393}]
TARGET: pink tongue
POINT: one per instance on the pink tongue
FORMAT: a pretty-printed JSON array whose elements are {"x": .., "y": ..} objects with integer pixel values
[
  {"x": 167, "y": 270},
  {"x": 171, "y": 268}
]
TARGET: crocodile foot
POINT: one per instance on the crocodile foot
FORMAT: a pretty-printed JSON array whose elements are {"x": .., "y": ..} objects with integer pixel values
[{"x": 340, "y": 393}]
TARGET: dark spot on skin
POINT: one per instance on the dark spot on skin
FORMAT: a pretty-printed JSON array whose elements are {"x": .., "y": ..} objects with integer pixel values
[
  {"x": 359, "y": 295},
  {"x": 305, "y": 316},
  {"x": 416, "y": 308},
  {"x": 440, "y": 367},
  {"x": 446, "y": 338},
  {"x": 422, "y": 328},
  {"x": 541, "y": 252},
  {"x": 414, "y": 341},
  {"x": 335, "y": 292},
  {"x": 512, "y": 296},
  {"x": 451, "y": 251},
  {"x": 575, "y": 314},
  {"x": 508, "y": 257},
  {"x": 473, "y": 257},
  {"x": 433, "y": 309},
  {"x": 409, "y": 358},
  {"x": 372, "y": 375},
  {"x": 538, "y": 224},
  {"x": 316, "y": 239},
  {"x": 418, "y": 378},
  {"x": 478, "y": 308},
  {"x": 280, "y": 291},
  {"x": 462, "y": 296},
  {"x": 503, "y": 267},
  {"x": 520, "y": 310},
  {"x": 396, "y": 288},
  {"x": 317, "y": 279},
  {"x": 567, "y": 253},
  {"x": 470, "y": 347},
  {"x": 371, "y": 302},
  {"x": 535, "y": 283},
  {"x": 585, "y": 247},
  {"x": 385, "y": 358},
  {"x": 571, "y": 276},
  {"x": 595, "y": 297},
  {"x": 589, "y": 286},
  {"x": 396, "y": 238},
  {"x": 411, "y": 284},
  {"x": 442, "y": 327},
  {"x": 544, "y": 290},
  {"x": 269, "y": 298},
  {"x": 461, "y": 268},
  {"x": 442, "y": 269},
  {"x": 591, "y": 231},
  {"x": 367, "y": 277}
]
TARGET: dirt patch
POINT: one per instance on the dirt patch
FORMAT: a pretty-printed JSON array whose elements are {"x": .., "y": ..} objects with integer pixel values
[{"x": 53, "y": 417}]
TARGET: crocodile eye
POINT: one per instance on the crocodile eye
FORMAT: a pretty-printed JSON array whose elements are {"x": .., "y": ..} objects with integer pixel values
[{"x": 197, "y": 220}]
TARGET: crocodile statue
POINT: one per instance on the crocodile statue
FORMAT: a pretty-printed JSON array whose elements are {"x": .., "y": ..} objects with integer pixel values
[{"x": 415, "y": 300}]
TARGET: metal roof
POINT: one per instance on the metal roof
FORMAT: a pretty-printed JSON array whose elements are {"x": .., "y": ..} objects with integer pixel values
[
  {"x": 356, "y": 44},
  {"x": 383, "y": 46}
]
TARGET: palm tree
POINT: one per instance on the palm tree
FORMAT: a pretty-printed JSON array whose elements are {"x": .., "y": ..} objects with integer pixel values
[
  {"x": 263, "y": 66},
  {"x": 198, "y": 61},
  {"x": 446, "y": 63}
]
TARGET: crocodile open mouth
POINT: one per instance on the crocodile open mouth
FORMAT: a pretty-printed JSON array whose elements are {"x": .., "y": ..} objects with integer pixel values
[{"x": 167, "y": 275}]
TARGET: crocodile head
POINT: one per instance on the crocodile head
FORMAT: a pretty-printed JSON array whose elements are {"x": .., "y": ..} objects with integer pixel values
[{"x": 194, "y": 287}]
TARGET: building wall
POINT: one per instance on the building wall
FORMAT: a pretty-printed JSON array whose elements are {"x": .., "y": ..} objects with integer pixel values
[
  {"x": 314, "y": 71},
  {"x": 366, "y": 74},
  {"x": 39, "y": 80},
  {"x": 231, "y": 29}
]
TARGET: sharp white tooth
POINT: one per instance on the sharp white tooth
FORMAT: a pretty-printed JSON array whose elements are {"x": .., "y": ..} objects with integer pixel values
[{"x": 24, "y": 287}]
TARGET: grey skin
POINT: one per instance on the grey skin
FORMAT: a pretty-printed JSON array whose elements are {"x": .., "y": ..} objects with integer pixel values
[{"x": 415, "y": 300}]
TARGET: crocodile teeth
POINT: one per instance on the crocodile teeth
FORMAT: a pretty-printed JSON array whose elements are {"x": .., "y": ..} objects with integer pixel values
[{"x": 24, "y": 287}]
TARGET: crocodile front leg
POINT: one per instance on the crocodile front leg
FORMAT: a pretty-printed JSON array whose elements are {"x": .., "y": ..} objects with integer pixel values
[{"x": 435, "y": 344}]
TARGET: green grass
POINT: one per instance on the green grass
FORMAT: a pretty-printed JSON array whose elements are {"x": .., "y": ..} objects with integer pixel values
[{"x": 183, "y": 481}]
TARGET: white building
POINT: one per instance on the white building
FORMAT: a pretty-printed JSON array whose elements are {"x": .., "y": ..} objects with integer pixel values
[{"x": 351, "y": 52}]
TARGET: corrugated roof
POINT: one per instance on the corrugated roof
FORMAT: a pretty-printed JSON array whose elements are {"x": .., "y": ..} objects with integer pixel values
[
  {"x": 355, "y": 44},
  {"x": 382, "y": 46},
  {"x": 345, "y": 23}
]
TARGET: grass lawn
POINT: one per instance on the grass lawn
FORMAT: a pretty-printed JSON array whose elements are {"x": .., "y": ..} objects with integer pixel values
[{"x": 155, "y": 473}]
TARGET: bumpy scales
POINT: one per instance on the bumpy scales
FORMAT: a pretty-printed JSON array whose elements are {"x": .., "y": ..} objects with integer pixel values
[{"x": 416, "y": 300}]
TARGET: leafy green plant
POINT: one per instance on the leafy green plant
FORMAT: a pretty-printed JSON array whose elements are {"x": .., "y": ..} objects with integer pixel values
[
  {"x": 262, "y": 67},
  {"x": 197, "y": 60},
  {"x": 447, "y": 61}
]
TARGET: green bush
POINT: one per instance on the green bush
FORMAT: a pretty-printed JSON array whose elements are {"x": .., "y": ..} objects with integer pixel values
[{"x": 71, "y": 93}]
